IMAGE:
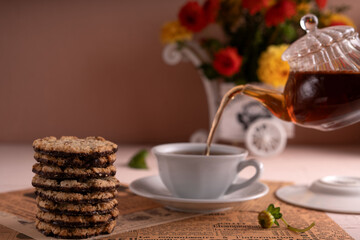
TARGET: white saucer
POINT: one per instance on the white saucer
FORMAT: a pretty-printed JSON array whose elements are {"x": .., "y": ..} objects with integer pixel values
[
  {"x": 153, "y": 188},
  {"x": 332, "y": 194}
]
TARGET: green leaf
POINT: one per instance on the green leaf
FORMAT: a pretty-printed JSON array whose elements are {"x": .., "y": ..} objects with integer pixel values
[
  {"x": 277, "y": 215},
  {"x": 209, "y": 71},
  {"x": 274, "y": 211},
  {"x": 270, "y": 208},
  {"x": 289, "y": 32},
  {"x": 139, "y": 160},
  {"x": 211, "y": 45}
]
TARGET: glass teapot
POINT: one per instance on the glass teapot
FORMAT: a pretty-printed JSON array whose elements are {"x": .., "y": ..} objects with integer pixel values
[{"x": 323, "y": 87}]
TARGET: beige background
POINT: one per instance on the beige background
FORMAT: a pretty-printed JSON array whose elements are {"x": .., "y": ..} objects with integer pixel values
[{"x": 95, "y": 68}]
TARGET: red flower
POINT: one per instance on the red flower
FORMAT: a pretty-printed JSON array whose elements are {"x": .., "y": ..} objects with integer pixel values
[
  {"x": 321, "y": 3},
  {"x": 255, "y": 6},
  {"x": 281, "y": 11},
  {"x": 227, "y": 61},
  {"x": 192, "y": 16},
  {"x": 211, "y": 8}
]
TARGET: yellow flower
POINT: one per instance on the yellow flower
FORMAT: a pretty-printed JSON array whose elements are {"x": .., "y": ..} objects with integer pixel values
[
  {"x": 173, "y": 32},
  {"x": 334, "y": 19},
  {"x": 272, "y": 69},
  {"x": 303, "y": 7}
]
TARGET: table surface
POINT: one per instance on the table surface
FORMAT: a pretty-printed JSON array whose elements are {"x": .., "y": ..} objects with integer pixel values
[{"x": 298, "y": 164}]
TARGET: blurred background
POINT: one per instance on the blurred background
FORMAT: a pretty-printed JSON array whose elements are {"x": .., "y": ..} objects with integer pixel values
[{"x": 89, "y": 68}]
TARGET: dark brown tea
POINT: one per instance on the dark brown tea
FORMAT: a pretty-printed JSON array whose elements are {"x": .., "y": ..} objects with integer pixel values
[
  {"x": 214, "y": 153},
  {"x": 311, "y": 97}
]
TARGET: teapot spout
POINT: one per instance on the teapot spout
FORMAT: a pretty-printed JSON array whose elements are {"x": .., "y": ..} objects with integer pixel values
[{"x": 273, "y": 100}]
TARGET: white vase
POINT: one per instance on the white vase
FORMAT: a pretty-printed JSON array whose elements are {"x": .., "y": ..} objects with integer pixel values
[{"x": 244, "y": 120}]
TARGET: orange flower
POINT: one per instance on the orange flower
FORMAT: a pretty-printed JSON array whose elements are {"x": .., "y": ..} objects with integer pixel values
[
  {"x": 192, "y": 16},
  {"x": 281, "y": 11},
  {"x": 227, "y": 61},
  {"x": 211, "y": 8},
  {"x": 255, "y": 6}
]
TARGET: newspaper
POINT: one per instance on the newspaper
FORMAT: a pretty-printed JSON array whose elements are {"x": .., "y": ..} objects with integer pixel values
[{"x": 142, "y": 218}]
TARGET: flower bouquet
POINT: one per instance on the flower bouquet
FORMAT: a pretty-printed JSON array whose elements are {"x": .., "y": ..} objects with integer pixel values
[
  {"x": 234, "y": 42},
  {"x": 252, "y": 37}
]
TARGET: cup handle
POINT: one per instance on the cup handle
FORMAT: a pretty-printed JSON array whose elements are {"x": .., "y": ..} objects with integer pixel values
[{"x": 251, "y": 162}]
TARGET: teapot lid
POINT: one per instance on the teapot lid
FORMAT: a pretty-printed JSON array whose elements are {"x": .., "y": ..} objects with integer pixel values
[{"x": 334, "y": 48}]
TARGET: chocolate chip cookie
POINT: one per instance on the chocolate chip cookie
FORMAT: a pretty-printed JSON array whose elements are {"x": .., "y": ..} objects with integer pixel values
[
  {"x": 52, "y": 172},
  {"x": 76, "y": 209},
  {"x": 70, "y": 146},
  {"x": 77, "y": 185},
  {"x": 70, "y": 197},
  {"x": 64, "y": 220},
  {"x": 52, "y": 230},
  {"x": 81, "y": 162}
]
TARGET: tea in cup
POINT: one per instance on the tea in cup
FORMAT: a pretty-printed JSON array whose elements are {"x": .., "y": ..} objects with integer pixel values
[{"x": 188, "y": 173}]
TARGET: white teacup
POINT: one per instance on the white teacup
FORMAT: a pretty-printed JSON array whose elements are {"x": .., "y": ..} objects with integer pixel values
[{"x": 188, "y": 173}]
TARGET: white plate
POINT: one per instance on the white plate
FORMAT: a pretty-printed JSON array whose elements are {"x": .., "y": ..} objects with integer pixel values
[
  {"x": 332, "y": 194},
  {"x": 153, "y": 188}
]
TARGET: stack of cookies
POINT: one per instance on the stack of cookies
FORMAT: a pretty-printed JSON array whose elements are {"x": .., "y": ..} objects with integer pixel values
[{"x": 75, "y": 186}]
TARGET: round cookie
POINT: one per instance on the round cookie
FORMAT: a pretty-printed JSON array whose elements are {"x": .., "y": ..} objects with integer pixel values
[
  {"x": 53, "y": 172},
  {"x": 75, "y": 161},
  {"x": 71, "y": 232},
  {"x": 76, "y": 209},
  {"x": 68, "y": 197},
  {"x": 77, "y": 186},
  {"x": 77, "y": 221},
  {"x": 70, "y": 146}
]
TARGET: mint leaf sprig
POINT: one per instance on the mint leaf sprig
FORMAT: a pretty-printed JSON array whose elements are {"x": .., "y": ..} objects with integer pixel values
[{"x": 269, "y": 216}]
